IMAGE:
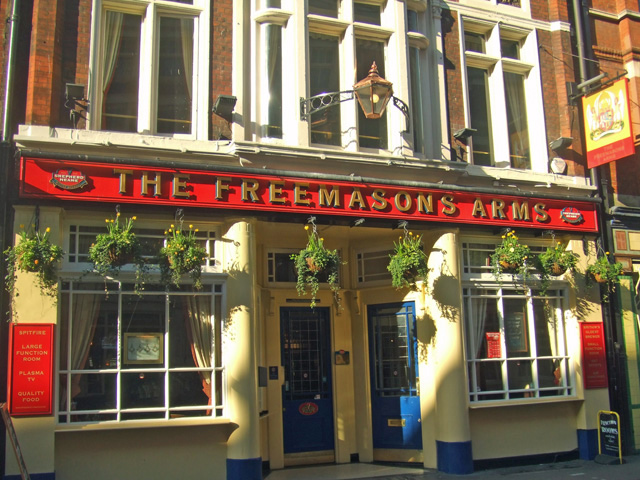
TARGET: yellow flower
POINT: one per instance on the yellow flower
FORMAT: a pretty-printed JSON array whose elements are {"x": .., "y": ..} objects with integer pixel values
[
  {"x": 607, "y": 253},
  {"x": 306, "y": 227},
  {"x": 134, "y": 218},
  {"x": 190, "y": 226},
  {"x": 106, "y": 220},
  {"x": 197, "y": 230},
  {"x": 22, "y": 226},
  {"x": 48, "y": 230},
  {"x": 118, "y": 214},
  {"x": 410, "y": 233},
  {"x": 165, "y": 232},
  {"x": 503, "y": 236},
  {"x": 35, "y": 262}
]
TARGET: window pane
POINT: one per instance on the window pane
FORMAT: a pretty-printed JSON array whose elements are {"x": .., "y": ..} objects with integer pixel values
[
  {"x": 520, "y": 377},
  {"x": 175, "y": 75},
  {"x": 516, "y": 329},
  {"x": 480, "y": 116},
  {"x": 121, "y": 67},
  {"x": 474, "y": 42},
  {"x": 517, "y": 120},
  {"x": 273, "y": 3},
  {"x": 274, "y": 76},
  {"x": 325, "y": 77},
  {"x": 328, "y": 8},
  {"x": 371, "y": 133},
  {"x": 366, "y": 13},
  {"x": 510, "y": 48},
  {"x": 412, "y": 21},
  {"x": 416, "y": 99}
]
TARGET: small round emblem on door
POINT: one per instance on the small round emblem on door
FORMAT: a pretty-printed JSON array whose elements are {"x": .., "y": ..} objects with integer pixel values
[{"x": 308, "y": 408}]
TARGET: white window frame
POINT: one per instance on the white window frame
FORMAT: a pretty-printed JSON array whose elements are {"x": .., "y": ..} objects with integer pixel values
[
  {"x": 151, "y": 11},
  {"x": 217, "y": 293},
  {"x": 481, "y": 277},
  {"x": 495, "y": 65},
  {"x": 296, "y": 26}
]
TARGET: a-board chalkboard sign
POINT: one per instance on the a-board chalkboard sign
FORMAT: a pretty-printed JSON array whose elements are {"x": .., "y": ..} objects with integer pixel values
[
  {"x": 13, "y": 438},
  {"x": 609, "y": 434}
]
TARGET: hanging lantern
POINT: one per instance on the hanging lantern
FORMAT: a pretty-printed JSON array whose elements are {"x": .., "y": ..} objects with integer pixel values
[{"x": 373, "y": 93}]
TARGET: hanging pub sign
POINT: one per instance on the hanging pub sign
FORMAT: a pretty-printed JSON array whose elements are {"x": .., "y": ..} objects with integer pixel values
[
  {"x": 31, "y": 369},
  {"x": 594, "y": 358},
  {"x": 40, "y": 178},
  {"x": 607, "y": 124}
]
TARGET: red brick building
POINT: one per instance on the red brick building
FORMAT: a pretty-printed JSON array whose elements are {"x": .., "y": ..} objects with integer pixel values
[{"x": 239, "y": 119}]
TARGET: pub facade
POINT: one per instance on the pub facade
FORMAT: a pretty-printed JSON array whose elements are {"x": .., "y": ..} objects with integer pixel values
[{"x": 237, "y": 373}]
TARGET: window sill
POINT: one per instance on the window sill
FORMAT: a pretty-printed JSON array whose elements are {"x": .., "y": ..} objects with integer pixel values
[
  {"x": 523, "y": 402},
  {"x": 136, "y": 424}
]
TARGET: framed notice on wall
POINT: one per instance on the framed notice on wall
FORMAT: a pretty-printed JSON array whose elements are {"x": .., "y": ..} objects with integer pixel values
[{"x": 30, "y": 369}]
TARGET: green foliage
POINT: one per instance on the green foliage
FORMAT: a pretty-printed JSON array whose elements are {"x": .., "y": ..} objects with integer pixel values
[
  {"x": 603, "y": 271},
  {"x": 510, "y": 257},
  {"x": 314, "y": 264},
  {"x": 118, "y": 247},
  {"x": 553, "y": 262},
  {"x": 182, "y": 254},
  {"x": 408, "y": 262},
  {"x": 33, "y": 253}
]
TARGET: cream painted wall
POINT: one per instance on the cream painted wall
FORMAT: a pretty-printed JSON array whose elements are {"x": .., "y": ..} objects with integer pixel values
[{"x": 184, "y": 453}]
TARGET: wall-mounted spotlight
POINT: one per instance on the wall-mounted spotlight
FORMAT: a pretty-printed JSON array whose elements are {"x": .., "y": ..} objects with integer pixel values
[
  {"x": 462, "y": 136},
  {"x": 74, "y": 98},
  {"x": 560, "y": 143},
  {"x": 373, "y": 93},
  {"x": 224, "y": 105}
]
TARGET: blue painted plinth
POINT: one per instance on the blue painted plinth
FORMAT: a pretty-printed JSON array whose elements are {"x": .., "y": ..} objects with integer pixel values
[
  {"x": 244, "y": 469},
  {"x": 588, "y": 444},
  {"x": 455, "y": 457}
]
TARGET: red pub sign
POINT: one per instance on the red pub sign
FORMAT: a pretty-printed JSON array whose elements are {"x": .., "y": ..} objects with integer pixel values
[
  {"x": 594, "y": 358},
  {"x": 31, "y": 369},
  {"x": 103, "y": 182}
]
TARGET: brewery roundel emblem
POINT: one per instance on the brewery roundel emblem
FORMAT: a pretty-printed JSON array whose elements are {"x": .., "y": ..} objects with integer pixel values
[
  {"x": 571, "y": 215},
  {"x": 69, "y": 179},
  {"x": 308, "y": 408}
]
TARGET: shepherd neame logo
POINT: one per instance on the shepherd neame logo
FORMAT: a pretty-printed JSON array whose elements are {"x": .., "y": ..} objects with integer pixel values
[{"x": 69, "y": 179}]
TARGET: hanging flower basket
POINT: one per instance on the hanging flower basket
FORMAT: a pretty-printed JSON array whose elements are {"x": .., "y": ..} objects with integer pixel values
[
  {"x": 605, "y": 273},
  {"x": 554, "y": 262},
  {"x": 315, "y": 264},
  {"x": 33, "y": 253},
  {"x": 181, "y": 255},
  {"x": 118, "y": 247},
  {"x": 408, "y": 262},
  {"x": 510, "y": 257}
]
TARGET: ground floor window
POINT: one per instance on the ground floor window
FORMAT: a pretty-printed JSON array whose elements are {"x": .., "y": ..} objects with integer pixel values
[
  {"x": 152, "y": 355},
  {"x": 516, "y": 343}
]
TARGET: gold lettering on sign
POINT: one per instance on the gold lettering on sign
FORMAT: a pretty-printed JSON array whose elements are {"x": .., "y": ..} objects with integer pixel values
[
  {"x": 478, "y": 209},
  {"x": 425, "y": 204},
  {"x": 356, "y": 197},
  {"x": 449, "y": 207},
  {"x": 179, "y": 185},
  {"x": 156, "y": 182},
  {"x": 123, "y": 179},
  {"x": 379, "y": 202},
  {"x": 275, "y": 191},
  {"x": 539, "y": 208},
  {"x": 221, "y": 187},
  {"x": 249, "y": 187},
  {"x": 326, "y": 198},
  {"x": 300, "y": 194},
  {"x": 497, "y": 209},
  {"x": 402, "y": 207},
  {"x": 521, "y": 212}
]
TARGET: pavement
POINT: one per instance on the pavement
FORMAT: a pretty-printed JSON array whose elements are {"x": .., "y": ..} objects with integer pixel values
[{"x": 604, "y": 468}]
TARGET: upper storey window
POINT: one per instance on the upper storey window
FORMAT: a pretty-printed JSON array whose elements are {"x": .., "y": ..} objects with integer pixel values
[
  {"x": 342, "y": 39},
  {"x": 150, "y": 73},
  {"x": 501, "y": 65}
]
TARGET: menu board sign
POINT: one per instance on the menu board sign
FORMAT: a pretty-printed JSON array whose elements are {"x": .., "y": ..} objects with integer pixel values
[
  {"x": 494, "y": 345},
  {"x": 594, "y": 358},
  {"x": 31, "y": 369}
]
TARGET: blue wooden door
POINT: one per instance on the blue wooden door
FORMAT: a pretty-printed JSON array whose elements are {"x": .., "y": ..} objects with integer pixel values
[
  {"x": 395, "y": 404},
  {"x": 306, "y": 395}
]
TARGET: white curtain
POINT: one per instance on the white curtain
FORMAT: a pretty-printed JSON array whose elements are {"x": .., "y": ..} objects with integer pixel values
[
  {"x": 518, "y": 143},
  {"x": 199, "y": 330},
  {"x": 479, "y": 309},
  {"x": 186, "y": 32},
  {"x": 112, "y": 38}
]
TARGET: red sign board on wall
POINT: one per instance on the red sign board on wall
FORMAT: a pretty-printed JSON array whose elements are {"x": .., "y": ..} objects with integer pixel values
[
  {"x": 594, "y": 358},
  {"x": 251, "y": 191},
  {"x": 31, "y": 369}
]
